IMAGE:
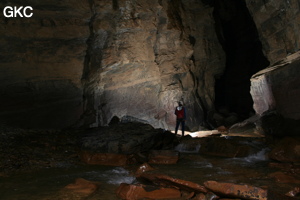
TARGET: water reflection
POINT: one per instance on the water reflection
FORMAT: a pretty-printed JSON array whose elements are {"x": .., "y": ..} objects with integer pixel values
[{"x": 48, "y": 183}]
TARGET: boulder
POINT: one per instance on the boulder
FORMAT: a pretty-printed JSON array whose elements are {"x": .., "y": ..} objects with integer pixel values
[
  {"x": 282, "y": 177},
  {"x": 126, "y": 138},
  {"x": 163, "y": 157},
  {"x": 162, "y": 179},
  {"x": 200, "y": 196},
  {"x": 188, "y": 195},
  {"x": 145, "y": 167},
  {"x": 287, "y": 150},
  {"x": 236, "y": 190},
  {"x": 279, "y": 95},
  {"x": 275, "y": 124},
  {"x": 286, "y": 167},
  {"x": 211, "y": 196},
  {"x": 208, "y": 196},
  {"x": 136, "y": 192},
  {"x": 275, "y": 195},
  {"x": 83, "y": 187},
  {"x": 247, "y": 128},
  {"x": 222, "y": 129},
  {"x": 294, "y": 192}
]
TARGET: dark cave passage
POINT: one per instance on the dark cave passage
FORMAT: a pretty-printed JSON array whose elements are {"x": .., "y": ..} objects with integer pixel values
[{"x": 244, "y": 57}]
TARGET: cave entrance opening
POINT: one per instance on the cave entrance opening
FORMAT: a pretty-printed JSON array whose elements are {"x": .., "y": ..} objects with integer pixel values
[{"x": 244, "y": 57}]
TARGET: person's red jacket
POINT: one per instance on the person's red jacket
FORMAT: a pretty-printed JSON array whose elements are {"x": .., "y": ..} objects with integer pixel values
[{"x": 180, "y": 113}]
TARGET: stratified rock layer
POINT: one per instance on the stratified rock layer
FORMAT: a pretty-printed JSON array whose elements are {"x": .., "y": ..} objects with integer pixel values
[
  {"x": 93, "y": 60},
  {"x": 277, "y": 22},
  {"x": 236, "y": 190},
  {"x": 83, "y": 62},
  {"x": 143, "y": 61},
  {"x": 277, "y": 88}
]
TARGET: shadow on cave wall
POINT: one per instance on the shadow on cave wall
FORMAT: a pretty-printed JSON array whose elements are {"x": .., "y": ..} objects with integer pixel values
[{"x": 244, "y": 57}]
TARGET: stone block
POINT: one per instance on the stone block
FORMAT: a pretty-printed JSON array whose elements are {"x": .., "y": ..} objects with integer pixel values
[
  {"x": 145, "y": 167},
  {"x": 282, "y": 177},
  {"x": 162, "y": 179},
  {"x": 287, "y": 150},
  {"x": 236, "y": 190},
  {"x": 136, "y": 192},
  {"x": 83, "y": 187},
  {"x": 163, "y": 157}
]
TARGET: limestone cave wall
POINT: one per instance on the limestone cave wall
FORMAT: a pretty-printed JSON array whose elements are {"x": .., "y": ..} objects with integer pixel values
[
  {"x": 81, "y": 63},
  {"x": 149, "y": 56},
  {"x": 41, "y": 63},
  {"x": 277, "y": 87},
  {"x": 278, "y": 25},
  {"x": 84, "y": 62}
]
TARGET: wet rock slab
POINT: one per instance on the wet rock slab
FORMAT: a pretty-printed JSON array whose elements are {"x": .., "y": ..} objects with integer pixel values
[
  {"x": 135, "y": 192},
  {"x": 163, "y": 157},
  {"x": 145, "y": 167},
  {"x": 127, "y": 138},
  {"x": 236, "y": 190},
  {"x": 83, "y": 187},
  {"x": 274, "y": 195},
  {"x": 284, "y": 177},
  {"x": 287, "y": 150},
  {"x": 293, "y": 193},
  {"x": 162, "y": 179}
]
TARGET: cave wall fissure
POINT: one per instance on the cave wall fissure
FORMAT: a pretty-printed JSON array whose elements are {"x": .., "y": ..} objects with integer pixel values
[{"x": 244, "y": 57}]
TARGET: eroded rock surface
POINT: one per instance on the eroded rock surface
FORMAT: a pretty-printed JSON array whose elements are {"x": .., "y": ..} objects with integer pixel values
[
  {"x": 93, "y": 60},
  {"x": 83, "y": 186},
  {"x": 129, "y": 138},
  {"x": 287, "y": 150},
  {"x": 277, "y": 23},
  {"x": 277, "y": 88},
  {"x": 151, "y": 58},
  {"x": 162, "y": 179},
  {"x": 135, "y": 192},
  {"x": 236, "y": 190}
]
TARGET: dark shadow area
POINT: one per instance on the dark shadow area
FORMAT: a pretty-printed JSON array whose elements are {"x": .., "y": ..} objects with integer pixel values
[{"x": 244, "y": 57}]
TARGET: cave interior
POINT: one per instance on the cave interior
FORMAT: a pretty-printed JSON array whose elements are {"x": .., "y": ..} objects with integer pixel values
[{"x": 91, "y": 87}]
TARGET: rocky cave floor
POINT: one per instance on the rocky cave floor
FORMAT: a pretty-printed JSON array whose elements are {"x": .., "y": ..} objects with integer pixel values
[{"x": 23, "y": 151}]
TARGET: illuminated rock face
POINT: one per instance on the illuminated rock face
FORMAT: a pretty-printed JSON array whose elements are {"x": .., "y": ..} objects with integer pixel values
[
  {"x": 277, "y": 87},
  {"x": 150, "y": 60},
  {"x": 83, "y": 62}
]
